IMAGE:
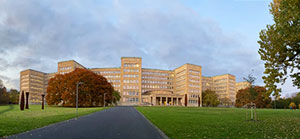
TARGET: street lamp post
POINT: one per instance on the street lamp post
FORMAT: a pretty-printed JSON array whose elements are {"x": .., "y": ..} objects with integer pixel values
[
  {"x": 104, "y": 99},
  {"x": 77, "y": 84}
]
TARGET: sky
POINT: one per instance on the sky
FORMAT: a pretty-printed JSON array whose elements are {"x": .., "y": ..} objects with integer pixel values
[{"x": 219, "y": 35}]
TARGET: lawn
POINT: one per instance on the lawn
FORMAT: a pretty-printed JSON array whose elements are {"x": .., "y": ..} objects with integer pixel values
[
  {"x": 13, "y": 121},
  {"x": 182, "y": 122}
]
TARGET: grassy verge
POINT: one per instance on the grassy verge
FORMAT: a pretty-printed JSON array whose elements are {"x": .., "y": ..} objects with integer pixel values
[
  {"x": 13, "y": 121},
  {"x": 181, "y": 122}
]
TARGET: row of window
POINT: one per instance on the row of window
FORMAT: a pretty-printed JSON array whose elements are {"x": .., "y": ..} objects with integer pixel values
[
  {"x": 220, "y": 84},
  {"x": 194, "y": 91},
  {"x": 156, "y": 78},
  {"x": 64, "y": 72},
  {"x": 181, "y": 77},
  {"x": 156, "y": 86},
  {"x": 155, "y": 82},
  {"x": 116, "y": 85},
  {"x": 221, "y": 91},
  {"x": 131, "y": 81},
  {"x": 36, "y": 77},
  {"x": 111, "y": 76},
  {"x": 180, "y": 91},
  {"x": 131, "y": 75},
  {"x": 65, "y": 68},
  {"x": 106, "y": 72},
  {"x": 34, "y": 89},
  {"x": 193, "y": 101},
  {"x": 220, "y": 80},
  {"x": 194, "y": 71},
  {"x": 131, "y": 65},
  {"x": 113, "y": 81},
  {"x": 180, "y": 73},
  {"x": 155, "y": 73},
  {"x": 194, "y": 76},
  {"x": 194, "y": 96},
  {"x": 36, "y": 81},
  {"x": 131, "y": 93},
  {"x": 131, "y": 100},
  {"x": 180, "y": 82},
  {"x": 130, "y": 87},
  {"x": 221, "y": 87},
  {"x": 180, "y": 86},
  {"x": 194, "y": 81},
  {"x": 131, "y": 70},
  {"x": 194, "y": 85},
  {"x": 25, "y": 76}
]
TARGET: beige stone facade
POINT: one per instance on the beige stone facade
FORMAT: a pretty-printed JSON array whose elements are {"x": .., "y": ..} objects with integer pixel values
[
  {"x": 142, "y": 86},
  {"x": 241, "y": 85},
  {"x": 224, "y": 85}
]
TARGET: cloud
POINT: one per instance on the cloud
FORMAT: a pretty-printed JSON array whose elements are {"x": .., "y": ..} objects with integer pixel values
[{"x": 166, "y": 34}]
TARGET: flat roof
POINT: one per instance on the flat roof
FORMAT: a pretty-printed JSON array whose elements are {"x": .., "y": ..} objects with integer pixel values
[
  {"x": 187, "y": 64},
  {"x": 131, "y": 57},
  {"x": 33, "y": 70},
  {"x": 72, "y": 61}
]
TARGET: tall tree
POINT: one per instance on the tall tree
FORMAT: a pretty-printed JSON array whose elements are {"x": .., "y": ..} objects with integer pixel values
[
  {"x": 210, "y": 98},
  {"x": 62, "y": 89},
  {"x": 280, "y": 45}
]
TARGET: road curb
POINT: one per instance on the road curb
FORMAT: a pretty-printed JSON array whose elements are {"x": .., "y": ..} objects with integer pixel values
[{"x": 160, "y": 132}]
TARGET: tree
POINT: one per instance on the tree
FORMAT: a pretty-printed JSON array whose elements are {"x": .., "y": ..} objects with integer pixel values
[
  {"x": 280, "y": 45},
  {"x": 13, "y": 96},
  {"x": 4, "y": 97},
  {"x": 210, "y": 98},
  {"x": 225, "y": 101},
  {"x": 116, "y": 97},
  {"x": 62, "y": 89},
  {"x": 260, "y": 97}
]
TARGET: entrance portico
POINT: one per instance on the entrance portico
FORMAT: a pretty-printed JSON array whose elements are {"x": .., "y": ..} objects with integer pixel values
[{"x": 162, "y": 98}]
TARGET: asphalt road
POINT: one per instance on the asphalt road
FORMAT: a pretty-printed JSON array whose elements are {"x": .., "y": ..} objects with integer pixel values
[{"x": 113, "y": 123}]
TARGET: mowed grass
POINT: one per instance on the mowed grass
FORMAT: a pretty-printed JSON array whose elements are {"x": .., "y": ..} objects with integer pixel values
[
  {"x": 182, "y": 122},
  {"x": 13, "y": 121}
]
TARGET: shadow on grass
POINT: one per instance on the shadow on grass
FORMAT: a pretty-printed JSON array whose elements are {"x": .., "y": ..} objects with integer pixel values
[{"x": 6, "y": 110}]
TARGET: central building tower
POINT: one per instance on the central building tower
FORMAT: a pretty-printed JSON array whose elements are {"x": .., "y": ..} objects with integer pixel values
[{"x": 131, "y": 80}]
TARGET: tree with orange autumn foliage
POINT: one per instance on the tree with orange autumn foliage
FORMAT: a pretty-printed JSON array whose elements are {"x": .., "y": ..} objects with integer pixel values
[
  {"x": 256, "y": 94},
  {"x": 62, "y": 89}
]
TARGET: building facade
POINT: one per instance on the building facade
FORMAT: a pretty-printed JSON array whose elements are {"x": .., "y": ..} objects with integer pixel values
[{"x": 142, "y": 86}]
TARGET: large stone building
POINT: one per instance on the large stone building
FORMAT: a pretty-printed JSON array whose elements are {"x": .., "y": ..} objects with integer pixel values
[{"x": 143, "y": 86}]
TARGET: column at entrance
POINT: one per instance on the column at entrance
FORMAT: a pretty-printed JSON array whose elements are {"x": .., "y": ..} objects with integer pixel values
[
  {"x": 167, "y": 101},
  {"x": 172, "y": 101},
  {"x": 160, "y": 101},
  {"x": 177, "y": 101}
]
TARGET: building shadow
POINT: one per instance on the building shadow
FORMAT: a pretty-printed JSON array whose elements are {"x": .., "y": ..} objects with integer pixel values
[{"x": 6, "y": 110}]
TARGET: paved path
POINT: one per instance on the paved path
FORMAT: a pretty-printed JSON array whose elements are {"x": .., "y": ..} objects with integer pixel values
[{"x": 113, "y": 123}]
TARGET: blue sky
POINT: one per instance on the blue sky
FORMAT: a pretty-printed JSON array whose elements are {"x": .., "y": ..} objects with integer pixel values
[{"x": 219, "y": 35}]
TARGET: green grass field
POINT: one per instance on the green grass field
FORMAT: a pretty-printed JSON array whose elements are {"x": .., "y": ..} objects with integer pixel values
[
  {"x": 13, "y": 121},
  {"x": 181, "y": 122}
]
